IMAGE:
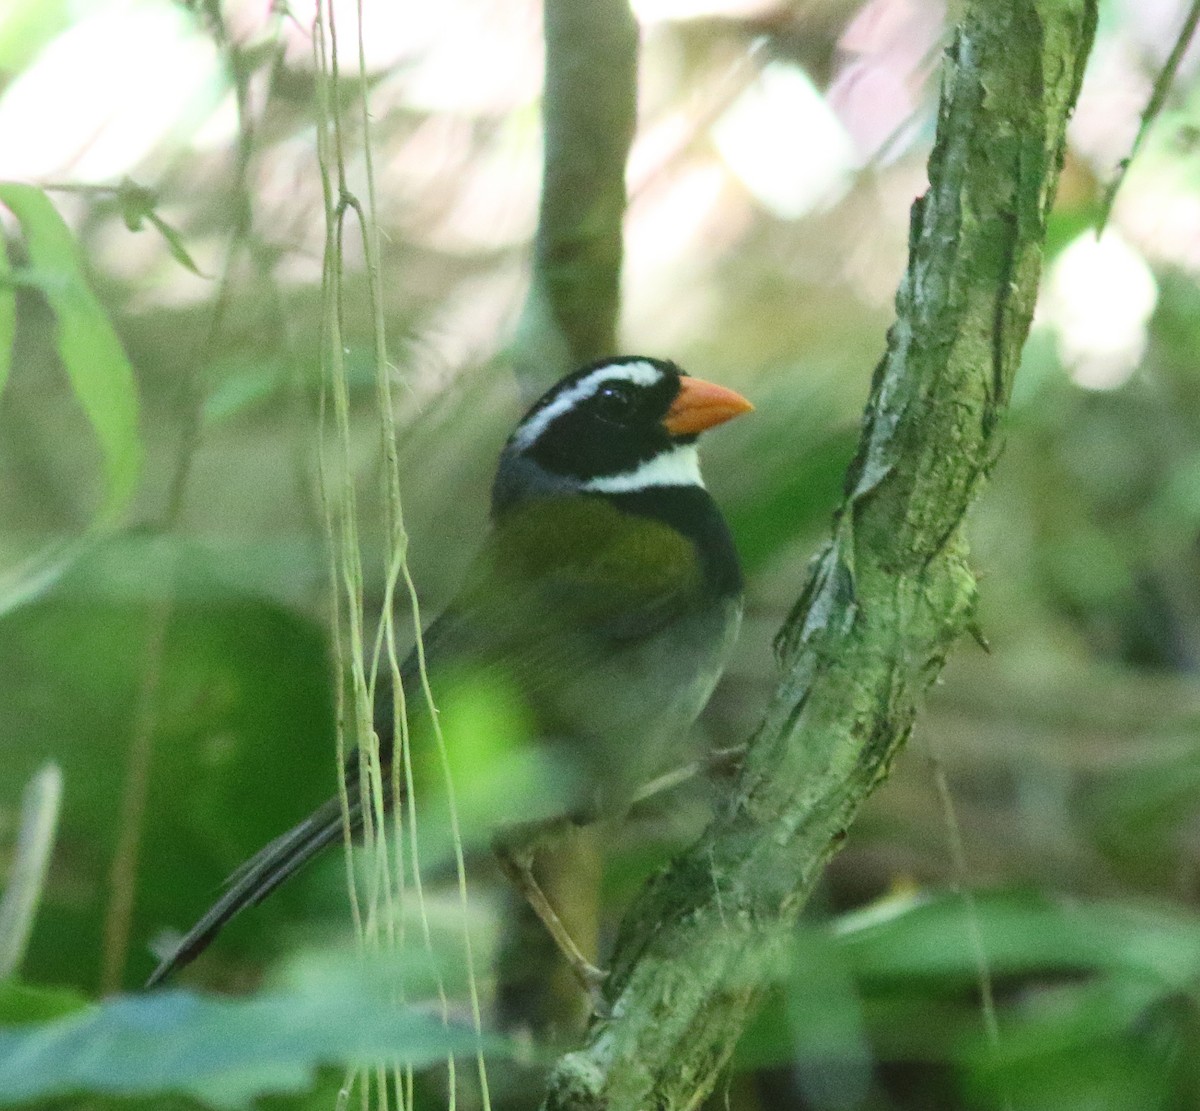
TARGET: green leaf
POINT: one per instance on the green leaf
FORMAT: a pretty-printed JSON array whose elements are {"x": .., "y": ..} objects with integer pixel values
[
  {"x": 97, "y": 366},
  {"x": 175, "y": 245},
  {"x": 32, "y": 577},
  {"x": 87, "y": 344},
  {"x": 225, "y": 1052},
  {"x": 136, "y": 203},
  {"x": 1022, "y": 933},
  {"x": 26, "y": 1003}
]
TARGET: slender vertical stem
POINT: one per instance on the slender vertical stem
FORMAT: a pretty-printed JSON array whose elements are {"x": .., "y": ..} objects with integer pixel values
[{"x": 589, "y": 109}]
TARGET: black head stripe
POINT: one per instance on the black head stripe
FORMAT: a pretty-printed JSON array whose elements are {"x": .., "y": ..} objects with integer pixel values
[
  {"x": 594, "y": 425},
  {"x": 665, "y": 367}
]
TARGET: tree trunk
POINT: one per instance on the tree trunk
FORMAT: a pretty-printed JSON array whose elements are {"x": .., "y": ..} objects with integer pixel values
[{"x": 589, "y": 111}]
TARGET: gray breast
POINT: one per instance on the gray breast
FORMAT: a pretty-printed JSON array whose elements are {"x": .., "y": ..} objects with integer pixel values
[{"x": 642, "y": 701}]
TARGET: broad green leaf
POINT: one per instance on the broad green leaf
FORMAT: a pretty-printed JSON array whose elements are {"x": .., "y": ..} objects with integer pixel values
[
  {"x": 89, "y": 348},
  {"x": 1022, "y": 933},
  {"x": 224, "y": 1051}
]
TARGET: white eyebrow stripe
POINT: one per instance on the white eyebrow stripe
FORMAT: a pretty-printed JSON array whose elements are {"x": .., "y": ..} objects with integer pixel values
[
  {"x": 679, "y": 467},
  {"x": 639, "y": 373}
]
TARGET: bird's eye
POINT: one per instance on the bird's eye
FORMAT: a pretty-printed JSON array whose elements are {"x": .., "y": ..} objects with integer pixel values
[{"x": 614, "y": 400}]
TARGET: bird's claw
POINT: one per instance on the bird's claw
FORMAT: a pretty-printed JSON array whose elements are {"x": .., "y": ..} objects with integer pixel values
[{"x": 592, "y": 980}]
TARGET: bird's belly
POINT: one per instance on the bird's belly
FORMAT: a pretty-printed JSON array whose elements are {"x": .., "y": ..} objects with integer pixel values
[{"x": 639, "y": 704}]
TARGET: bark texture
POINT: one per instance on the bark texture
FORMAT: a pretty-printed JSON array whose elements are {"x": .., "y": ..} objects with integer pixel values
[{"x": 889, "y": 594}]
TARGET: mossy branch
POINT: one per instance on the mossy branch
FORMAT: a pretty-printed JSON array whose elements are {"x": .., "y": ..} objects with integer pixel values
[{"x": 888, "y": 596}]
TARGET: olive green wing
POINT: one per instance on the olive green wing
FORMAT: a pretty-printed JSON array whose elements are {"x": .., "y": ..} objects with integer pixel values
[
  {"x": 558, "y": 583},
  {"x": 582, "y": 566}
]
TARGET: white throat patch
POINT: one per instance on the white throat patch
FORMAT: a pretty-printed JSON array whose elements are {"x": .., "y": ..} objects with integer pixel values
[
  {"x": 639, "y": 373},
  {"x": 677, "y": 467}
]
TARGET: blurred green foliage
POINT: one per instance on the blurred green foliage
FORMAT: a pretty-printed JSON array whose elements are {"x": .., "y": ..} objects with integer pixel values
[
  {"x": 220, "y": 1052},
  {"x": 243, "y": 721},
  {"x": 1072, "y": 749}
]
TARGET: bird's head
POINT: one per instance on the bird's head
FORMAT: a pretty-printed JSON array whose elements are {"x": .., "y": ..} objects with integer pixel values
[{"x": 622, "y": 424}]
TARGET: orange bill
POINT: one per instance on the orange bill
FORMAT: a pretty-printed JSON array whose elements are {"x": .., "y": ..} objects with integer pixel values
[{"x": 702, "y": 405}]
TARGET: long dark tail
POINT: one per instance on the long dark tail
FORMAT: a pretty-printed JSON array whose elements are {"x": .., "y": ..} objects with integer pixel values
[{"x": 258, "y": 877}]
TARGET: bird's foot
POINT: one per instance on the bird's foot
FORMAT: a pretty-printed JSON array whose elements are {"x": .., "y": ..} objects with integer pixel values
[
  {"x": 517, "y": 866},
  {"x": 592, "y": 980}
]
